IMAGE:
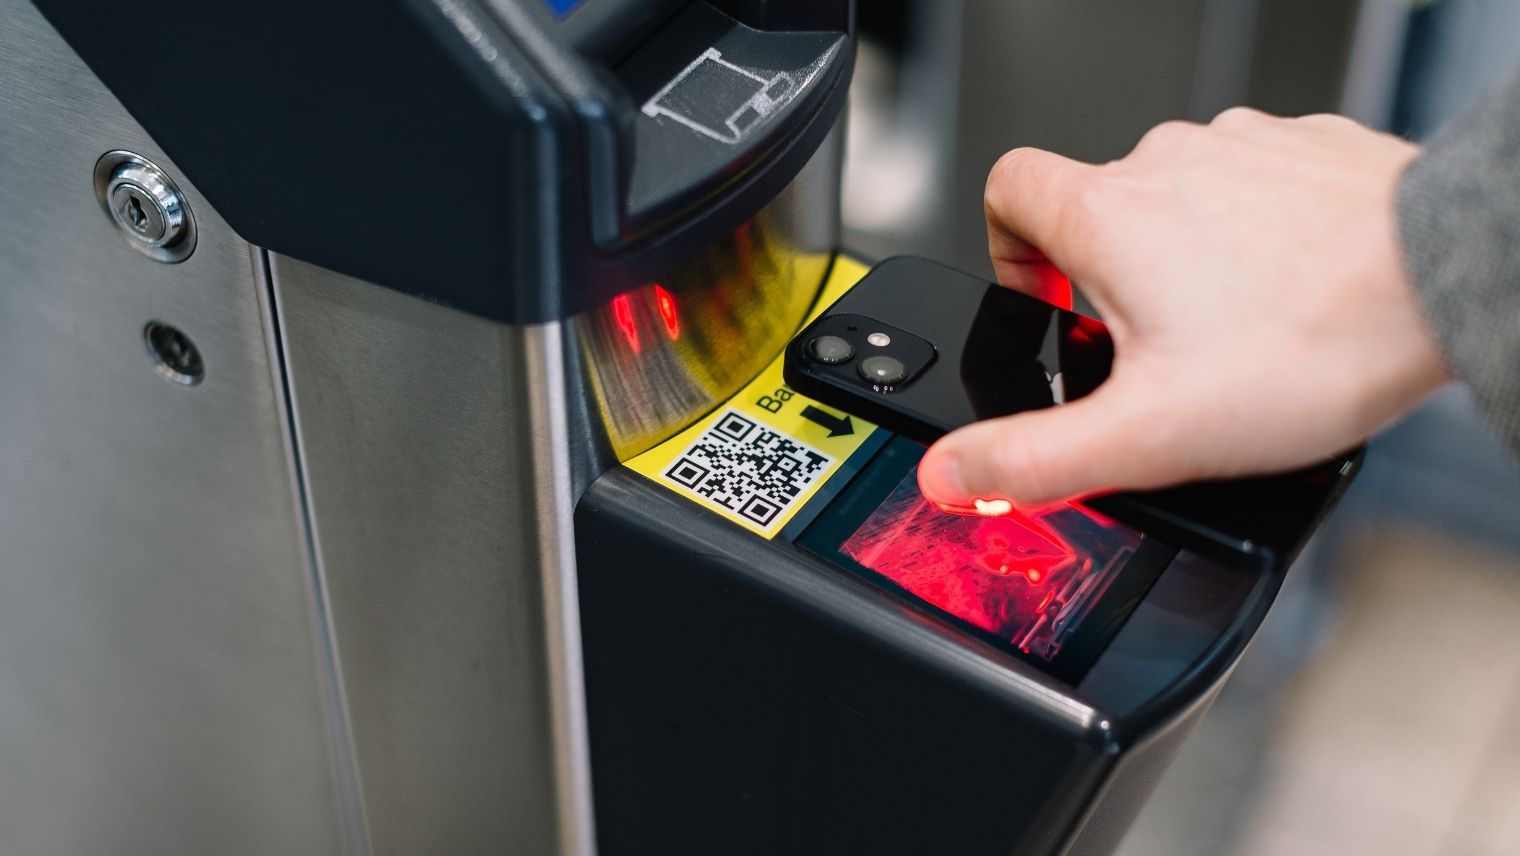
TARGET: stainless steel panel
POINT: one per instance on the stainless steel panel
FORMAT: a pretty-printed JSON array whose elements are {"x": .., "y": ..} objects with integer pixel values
[
  {"x": 167, "y": 680},
  {"x": 443, "y": 454},
  {"x": 159, "y": 686},
  {"x": 438, "y": 479}
]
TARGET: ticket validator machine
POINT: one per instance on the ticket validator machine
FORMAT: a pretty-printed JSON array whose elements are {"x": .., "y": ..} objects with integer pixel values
[{"x": 394, "y": 459}]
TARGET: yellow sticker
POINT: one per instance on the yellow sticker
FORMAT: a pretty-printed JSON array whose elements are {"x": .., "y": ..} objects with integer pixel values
[{"x": 759, "y": 457}]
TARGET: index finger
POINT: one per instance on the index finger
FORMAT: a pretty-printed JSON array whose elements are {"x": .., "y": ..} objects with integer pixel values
[{"x": 1029, "y": 193}]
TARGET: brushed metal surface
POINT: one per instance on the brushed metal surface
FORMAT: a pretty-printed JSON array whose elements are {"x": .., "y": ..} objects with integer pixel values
[
  {"x": 443, "y": 454},
  {"x": 551, "y": 420},
  {"x": 438, "y": 478},
  {"x": 347, "y": 626},
  {"x": 159, "y": 686}
]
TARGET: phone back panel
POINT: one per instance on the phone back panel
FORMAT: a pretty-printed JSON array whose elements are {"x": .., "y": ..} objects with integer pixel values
[{"x": 998, "y": 352}]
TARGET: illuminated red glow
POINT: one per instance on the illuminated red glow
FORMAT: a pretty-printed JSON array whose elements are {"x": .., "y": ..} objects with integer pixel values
[
  {"x": 1053, "y": 287},
  {"x": 1004, "y": 508},
  {"x": 1011, "y": 544},
  {"x": 669, "y": 312},
  {"x": 1027, "y": 576},
  {"x": 993, "y": 508},
  {"x": 627, "y": 309},
  {"x": 1101, "y": 519},
  {"x": 622, "y": 313}
]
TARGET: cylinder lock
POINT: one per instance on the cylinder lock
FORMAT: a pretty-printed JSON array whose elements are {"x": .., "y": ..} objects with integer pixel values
[{"x": 145, "y": 206}]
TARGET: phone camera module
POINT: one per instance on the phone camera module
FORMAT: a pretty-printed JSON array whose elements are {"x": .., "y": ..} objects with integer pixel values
[
  {"x": 883, "y": 371},
  {"x": 831, "y": 350}
]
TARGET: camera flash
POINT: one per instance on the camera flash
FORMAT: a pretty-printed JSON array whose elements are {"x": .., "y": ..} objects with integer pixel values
[{"x": 880, "y": 340}]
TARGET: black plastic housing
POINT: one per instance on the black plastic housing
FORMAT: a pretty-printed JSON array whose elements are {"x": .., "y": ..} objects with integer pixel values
[
  {"x": 482, "y": 154},
  {"x": 760, "y": 700}
]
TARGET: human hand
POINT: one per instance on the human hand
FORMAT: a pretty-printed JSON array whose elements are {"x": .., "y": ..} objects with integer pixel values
[{"x": 1251, "y": 275}]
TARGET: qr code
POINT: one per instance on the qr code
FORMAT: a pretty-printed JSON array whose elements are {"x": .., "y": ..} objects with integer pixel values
[{"x": 748, "y": 468}]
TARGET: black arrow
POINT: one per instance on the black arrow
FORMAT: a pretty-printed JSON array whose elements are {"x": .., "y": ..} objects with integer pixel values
[{"x": 838, "y": 427}]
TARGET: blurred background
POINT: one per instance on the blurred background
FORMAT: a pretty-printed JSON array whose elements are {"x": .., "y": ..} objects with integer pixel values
[{"x": 1410, "y": 600}]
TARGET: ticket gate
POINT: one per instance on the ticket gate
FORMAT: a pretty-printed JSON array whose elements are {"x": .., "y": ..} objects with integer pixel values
[{"x": 393, "y": 459}]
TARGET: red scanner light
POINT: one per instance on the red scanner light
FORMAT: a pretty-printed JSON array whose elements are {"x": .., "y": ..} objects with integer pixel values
[
  {"x": 669, "y": 313},
  {"x": 1028, "y": 576},
  {"x": 628, "y": 308},
  {"x": 622, "y": 313},
  {"x": 994, "y": 508}
]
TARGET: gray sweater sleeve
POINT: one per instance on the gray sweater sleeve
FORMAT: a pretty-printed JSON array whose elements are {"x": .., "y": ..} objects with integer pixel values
[{"x": 1459, "y": 216}]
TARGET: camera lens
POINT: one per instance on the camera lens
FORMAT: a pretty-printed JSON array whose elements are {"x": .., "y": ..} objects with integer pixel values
[
  {"x": 883, "y": 371},
  {"x": 831, "y": 350}
]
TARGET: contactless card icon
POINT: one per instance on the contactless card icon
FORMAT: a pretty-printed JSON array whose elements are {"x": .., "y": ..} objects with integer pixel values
[{"x": 721, "y": 100}]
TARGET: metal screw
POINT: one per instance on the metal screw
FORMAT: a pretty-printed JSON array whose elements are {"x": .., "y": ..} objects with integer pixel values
[
  {"x": 176, "y": 358},
  {"x": 146, "y": 206}
]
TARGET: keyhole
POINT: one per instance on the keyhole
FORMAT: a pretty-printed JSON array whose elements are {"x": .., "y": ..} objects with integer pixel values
[{"x": 136, "y": 214}]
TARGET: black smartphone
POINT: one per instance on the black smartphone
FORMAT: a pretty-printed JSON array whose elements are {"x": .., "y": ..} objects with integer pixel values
[{"x": 922, "y": 349}]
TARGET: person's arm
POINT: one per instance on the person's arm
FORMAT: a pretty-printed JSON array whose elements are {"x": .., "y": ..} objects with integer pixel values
[
  {"x": 1459, "y": 214},
  {"x": 1251, "y": 274}
]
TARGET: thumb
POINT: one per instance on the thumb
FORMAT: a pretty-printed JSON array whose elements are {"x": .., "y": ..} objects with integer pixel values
[{"x": 1105, "y": 441}]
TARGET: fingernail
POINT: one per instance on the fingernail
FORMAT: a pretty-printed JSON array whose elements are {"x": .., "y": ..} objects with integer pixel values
[
  {"x": 939, "y": 478},
  {"x": 992, "y": 507}
]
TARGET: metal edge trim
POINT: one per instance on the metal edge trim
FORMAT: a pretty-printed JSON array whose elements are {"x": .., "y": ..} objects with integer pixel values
[
  {"x": 347, "y": 784},
  {"x": 544, "y": 359}
]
